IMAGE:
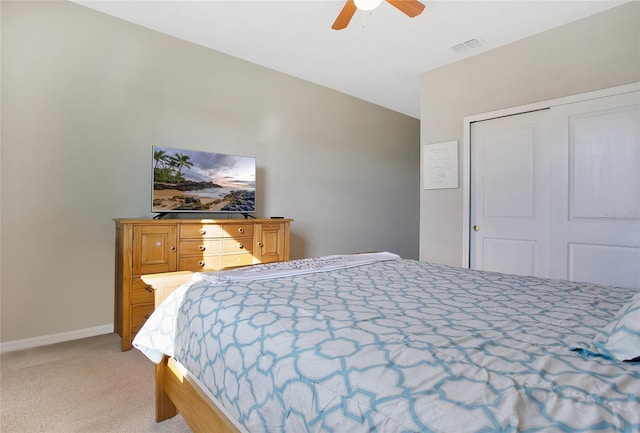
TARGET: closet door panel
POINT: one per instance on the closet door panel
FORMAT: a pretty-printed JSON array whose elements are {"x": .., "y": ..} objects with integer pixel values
[
  {"x": 595, "y": 173},
  {"x": 556, "y": 193}
]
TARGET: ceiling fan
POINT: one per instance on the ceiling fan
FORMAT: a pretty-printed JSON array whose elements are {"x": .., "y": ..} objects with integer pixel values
[{"x": 411, "y": 8}]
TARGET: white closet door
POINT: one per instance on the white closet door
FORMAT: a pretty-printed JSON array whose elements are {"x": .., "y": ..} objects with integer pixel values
[
  {"x": 595, "y": 225},
  {"x": 556, "y": 193},
  {"x": 509, "y": 191}
]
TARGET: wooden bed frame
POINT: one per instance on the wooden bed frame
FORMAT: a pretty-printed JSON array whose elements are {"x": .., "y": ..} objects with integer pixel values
[{"x": 176, "y": 392}]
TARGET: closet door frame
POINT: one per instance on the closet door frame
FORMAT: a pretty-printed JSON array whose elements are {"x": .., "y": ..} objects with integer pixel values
[{"x": 466, "y": 146}]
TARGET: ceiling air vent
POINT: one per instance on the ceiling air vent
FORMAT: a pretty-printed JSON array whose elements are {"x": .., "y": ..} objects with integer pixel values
[{"x": 466, "y": 45}]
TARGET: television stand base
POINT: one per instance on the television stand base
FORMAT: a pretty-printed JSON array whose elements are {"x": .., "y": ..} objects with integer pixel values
[
  {"x": 247, "y": 216},
  {"x": 160, "y": 216}
]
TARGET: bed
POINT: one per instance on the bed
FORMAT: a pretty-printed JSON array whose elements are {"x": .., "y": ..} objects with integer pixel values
[{"x": 375, "y": 343}]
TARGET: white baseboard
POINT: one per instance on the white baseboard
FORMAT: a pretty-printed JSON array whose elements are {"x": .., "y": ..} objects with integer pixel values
[{"x": 45, "y": 340}]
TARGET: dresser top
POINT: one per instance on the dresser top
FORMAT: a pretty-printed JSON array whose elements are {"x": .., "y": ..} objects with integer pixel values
[{"x": 199, "y": 221}]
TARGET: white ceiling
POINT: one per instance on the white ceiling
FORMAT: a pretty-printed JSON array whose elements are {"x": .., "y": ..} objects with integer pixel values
[{"x": 378, "y": 58}]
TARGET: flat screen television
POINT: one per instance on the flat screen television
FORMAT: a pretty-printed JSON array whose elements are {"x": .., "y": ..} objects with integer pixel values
[{"x": 199, "y": 181}]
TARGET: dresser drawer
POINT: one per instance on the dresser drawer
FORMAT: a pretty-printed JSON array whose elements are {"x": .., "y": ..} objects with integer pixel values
[
  {"x": 139, "y": 292},
  {"x": 233, "y": 260},
  {"x": 235, "y": 230},
  {"x": 139, "y": 315},
  {"x": 199, "y": 247},
  {"x": 237, "y": 245},
  {"x": 200, "y": 263},
  {"x": 198, "y": 231}
]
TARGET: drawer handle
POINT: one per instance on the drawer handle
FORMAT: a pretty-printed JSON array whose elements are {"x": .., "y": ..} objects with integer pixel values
[
  {"x": 146, "y": 316},
  {"x": 201, "y": 248},
  {"x": 173, "y": 248},
  {"x": 240, "y": 229},
  {"x": 201, "y": 263},
  {"x": 203, "y": 231},
  {"x": 260, "y": 244},
  {"x": 240, "y": 245},
  {"x": 149, "y": 289}
]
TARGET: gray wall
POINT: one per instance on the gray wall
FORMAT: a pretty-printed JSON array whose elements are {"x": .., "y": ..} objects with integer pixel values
[
  {"x": 85, "y": 96},
  {"x": 597, "y": 52}
]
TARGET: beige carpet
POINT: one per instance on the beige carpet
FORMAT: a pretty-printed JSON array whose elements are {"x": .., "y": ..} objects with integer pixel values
[{"x": 83, "y": 386}]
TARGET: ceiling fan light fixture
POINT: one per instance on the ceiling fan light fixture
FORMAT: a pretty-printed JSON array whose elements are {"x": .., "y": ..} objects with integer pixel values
[
  {"x": 410, "y": 8},
  {"x": 367, "y": 5}
]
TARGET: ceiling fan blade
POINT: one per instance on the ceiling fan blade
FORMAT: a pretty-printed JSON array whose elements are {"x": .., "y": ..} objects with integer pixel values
[
  {"x": 345, "y": 15},
  {"x": 411, "y": 8}
]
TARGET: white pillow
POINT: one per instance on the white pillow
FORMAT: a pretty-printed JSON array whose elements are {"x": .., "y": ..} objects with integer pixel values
[{"x": 620, "y": 339}]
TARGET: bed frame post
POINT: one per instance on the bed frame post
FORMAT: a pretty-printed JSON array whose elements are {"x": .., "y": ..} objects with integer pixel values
[
  {"x": 165, "y": 408},
  {"x": 175, "y": 391}
]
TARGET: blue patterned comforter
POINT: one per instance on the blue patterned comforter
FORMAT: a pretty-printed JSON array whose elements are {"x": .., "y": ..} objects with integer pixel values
[{"x": 400, "y": 346}]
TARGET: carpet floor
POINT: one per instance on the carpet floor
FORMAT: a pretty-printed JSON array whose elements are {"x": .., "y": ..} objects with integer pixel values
[{"x": 86, "y": 385}]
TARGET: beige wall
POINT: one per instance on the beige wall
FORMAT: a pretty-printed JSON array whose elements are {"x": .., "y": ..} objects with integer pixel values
[
  {"x": 597, "y": 52},
  {"x": 85, "y": 96}
]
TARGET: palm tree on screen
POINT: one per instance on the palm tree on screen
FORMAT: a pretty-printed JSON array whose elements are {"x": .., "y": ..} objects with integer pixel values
[
  {"x": 182, "y": 161},
  {"x": 161, "y": 158}
]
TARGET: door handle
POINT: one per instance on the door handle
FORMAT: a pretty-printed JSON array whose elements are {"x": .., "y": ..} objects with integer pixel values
[{"x": 476, "y": 228}]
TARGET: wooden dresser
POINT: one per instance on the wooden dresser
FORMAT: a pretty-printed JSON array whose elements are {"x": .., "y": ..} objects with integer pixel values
[{"x": 146, "y": 246}]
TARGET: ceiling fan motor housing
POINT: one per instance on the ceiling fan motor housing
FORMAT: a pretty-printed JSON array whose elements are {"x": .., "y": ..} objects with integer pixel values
[
  {"x": 411, "y": 8},
  {"x": 367, "y": 5}
]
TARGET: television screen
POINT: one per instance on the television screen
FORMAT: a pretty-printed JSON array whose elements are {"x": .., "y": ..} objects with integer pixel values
[{"x": 198, "y": 181}]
